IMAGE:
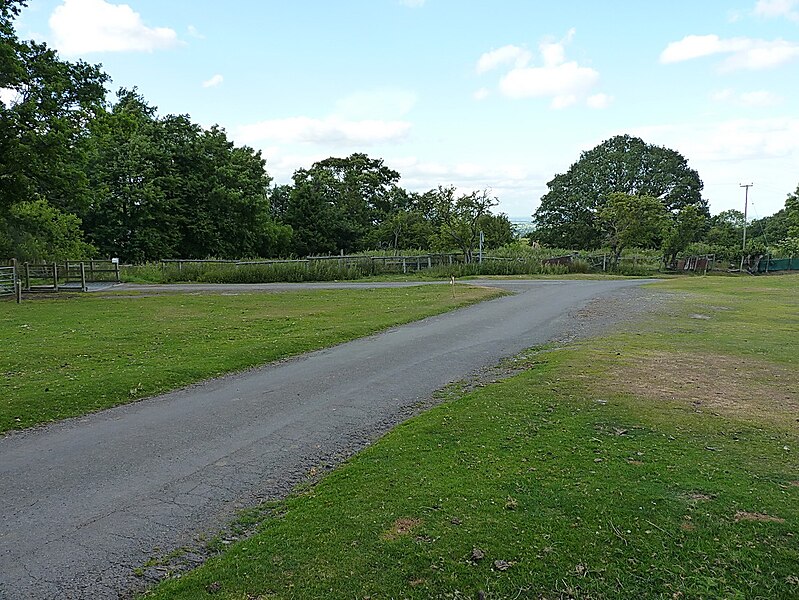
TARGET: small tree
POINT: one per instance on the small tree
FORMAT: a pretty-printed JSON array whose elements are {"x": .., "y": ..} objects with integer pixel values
[
  {"x": 458, "y": 218},
  {"x": 629, "y": 220}
]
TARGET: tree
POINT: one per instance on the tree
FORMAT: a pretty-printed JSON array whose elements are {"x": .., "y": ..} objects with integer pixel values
[
  {"x": 497, "y": 230},
  {"x": 726, "y": 229},
  {"x": 43, "y": 127},
  {"x": 681, "y": 231},
  {"x": 42, "y": 142},
  {"x": 37, "y": 231},
  {"x": 458, "y": 218},
  {"x": 792, "y": 213},
  {"x": 403, "y": 230},
  {"x": 165, "y": 187},
  {"x": 334, "y": 204},
  {"x": 629, "y": 220},
  {"x": 568, "y": 214}
]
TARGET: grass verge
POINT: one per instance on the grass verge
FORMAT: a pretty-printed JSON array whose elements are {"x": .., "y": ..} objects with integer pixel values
[
  {"x": 570, "y": 480},
  {"x": 77, "y": 354}
]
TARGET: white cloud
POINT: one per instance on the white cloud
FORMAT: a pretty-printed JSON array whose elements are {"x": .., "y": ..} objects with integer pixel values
[
  {"x": 745, "y": 53},
  {"x": 778, "y": 8},
  {"x": 754, "y": 99},
  {"x": 599, "y": 101},
  {"x": 760, "y": 99},
  {"x": 85, "y": 26},
  {"x": 384, "y": 103},
  {"x": 194, "y": 32},
  {"x": 516, "y": 55},
  {"x": 697, "y": 46},
  {"x": 565, "y": 82},
  {"x": 481, "y": 94},
  {"x": 738, "y": 139},
  {"x": 329, "y": 131},
  {"x": 214, "y": 81},
  {"x": 558, "y": 81}
]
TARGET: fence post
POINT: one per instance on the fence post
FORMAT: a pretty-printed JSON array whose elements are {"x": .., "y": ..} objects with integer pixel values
[
  {"x": 91, "y": 269},
  {"x": 404, "y": 265},
  {"x": 429, "y": 261},
  {"x": 55, "y": 277},
  {"x": 66, "y": 271},
  {"x": 18, "y": 290},
  {"x": 27, "y": 276},
  {"x": 116, "y": 270},
  {"x": 83, "y": 287}
]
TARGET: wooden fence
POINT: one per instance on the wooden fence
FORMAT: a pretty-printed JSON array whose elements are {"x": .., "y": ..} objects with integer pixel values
[
  {"x": 9, "y": 285},
  {"x": 69, "y": 275},
  {"x": 403, "y": 264}
]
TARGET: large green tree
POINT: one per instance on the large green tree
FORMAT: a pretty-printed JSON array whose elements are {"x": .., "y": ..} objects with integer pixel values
[
  {"x": 42, "y": 143},
  {"x": 337, "y": 202},
  {"x": 568, "y": 215},
  {"x": 165, "y": 187}
]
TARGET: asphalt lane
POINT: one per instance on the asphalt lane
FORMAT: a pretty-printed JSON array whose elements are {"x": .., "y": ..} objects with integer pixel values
[{"x": 86, "y": 501}]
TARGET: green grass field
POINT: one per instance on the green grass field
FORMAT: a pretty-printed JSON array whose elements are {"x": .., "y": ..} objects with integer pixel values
[
  {"x": 75, "y": 354},
  {"x": 657, "y": 462}
]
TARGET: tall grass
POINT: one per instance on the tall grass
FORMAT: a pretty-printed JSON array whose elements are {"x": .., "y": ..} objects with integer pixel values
[{"x": 334, "y": 270}]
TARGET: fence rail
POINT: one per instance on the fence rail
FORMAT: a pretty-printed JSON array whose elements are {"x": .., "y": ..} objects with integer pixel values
[
  {"x": 69, "y": 275},
  {"x": 8, "y": 281}
]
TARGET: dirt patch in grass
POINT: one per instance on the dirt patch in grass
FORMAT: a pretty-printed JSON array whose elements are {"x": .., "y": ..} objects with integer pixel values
[
  {"x": 700, "y": 496},
  {"x": 401, "y": 527},
  {"x": 759, "y": 517},
  {"x": 730, "y": 386}
]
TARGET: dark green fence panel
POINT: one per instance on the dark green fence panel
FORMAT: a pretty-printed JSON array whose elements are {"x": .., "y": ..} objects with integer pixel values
[{"x": 778, "y": 264}]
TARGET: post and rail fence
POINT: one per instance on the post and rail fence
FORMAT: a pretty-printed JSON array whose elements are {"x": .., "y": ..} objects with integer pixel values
[
  {"x": 399, "y": 263},
  {"x": 52, "y": 277}
]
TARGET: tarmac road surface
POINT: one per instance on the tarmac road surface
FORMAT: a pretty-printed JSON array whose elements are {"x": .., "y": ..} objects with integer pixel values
[{"x": 86, "y": 501}]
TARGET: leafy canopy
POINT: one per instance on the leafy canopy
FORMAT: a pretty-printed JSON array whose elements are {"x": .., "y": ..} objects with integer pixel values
[{"x": 569, "y": 213}]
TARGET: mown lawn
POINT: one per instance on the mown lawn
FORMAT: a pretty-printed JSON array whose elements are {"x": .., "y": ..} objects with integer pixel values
[
  {"x": 659, "y": 462},
  {"x": 76, "y": 354}
]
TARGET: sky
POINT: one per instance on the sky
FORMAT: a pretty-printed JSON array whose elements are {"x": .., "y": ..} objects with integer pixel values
[{"x": 496, "y": 94}]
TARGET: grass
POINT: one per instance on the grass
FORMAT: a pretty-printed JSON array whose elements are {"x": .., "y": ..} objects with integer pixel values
[
  {"x": 569, "y": 480},
  {"x": 77, "y": 354}
]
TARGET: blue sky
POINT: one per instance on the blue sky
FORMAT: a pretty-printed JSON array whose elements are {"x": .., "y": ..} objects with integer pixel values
[{"x": 498, "y": 94}]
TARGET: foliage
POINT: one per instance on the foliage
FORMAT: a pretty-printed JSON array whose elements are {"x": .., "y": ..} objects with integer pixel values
[
  {"x": 42, "y": 138},
  {"x": 165, "y": 187},
  {"x": 568, "y": 216},
  {"x": 337, "y": 201},
  {"x": 679, "y": 232},
  {"x": 37, "y": 231},
  {"x": 629, "y": 220},
  {"x": 792, "y": 213},
  {"x": 458, "y": 219},
  {"x": 403, "y": 230},
  {"x": 788, "y": 247}
]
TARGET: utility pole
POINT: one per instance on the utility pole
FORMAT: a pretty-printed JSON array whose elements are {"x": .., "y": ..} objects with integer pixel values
[{"x": 746, "y": 208}]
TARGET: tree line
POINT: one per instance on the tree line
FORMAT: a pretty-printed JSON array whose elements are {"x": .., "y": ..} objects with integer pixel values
[
  {"x": 81, "y": 176},
  {"x": 626, "y": 193}
]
